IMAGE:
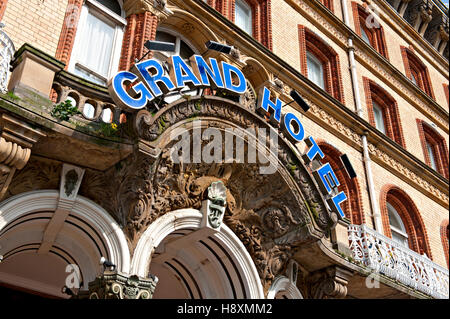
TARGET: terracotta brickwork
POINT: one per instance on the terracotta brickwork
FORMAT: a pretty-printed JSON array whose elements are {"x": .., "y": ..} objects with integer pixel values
[
  {"x": 37, "y": 23},
  {"x": 69, "y": 30},
  {"x": 410, "y": 215},
  {"x": 391, "y": 114},
  {"x": 446, "y": 91},
  {"x": 414, "y": 66},
  {"x": 445, "y": 238},
  {"x": 352, "y": 207},
  {"x": 374, "y": 30},
  {"x": 3, "y": 4},
  {"x": 329, "y": 4},
  {"x": 310, "y": 41},
  {"x": 437, "y": 142},
  {"x": 261, "y": 17},
  {"x": 140, "y": 28}
]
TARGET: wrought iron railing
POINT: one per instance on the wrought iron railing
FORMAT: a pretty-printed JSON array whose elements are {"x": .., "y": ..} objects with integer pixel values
[
  {"x": 6, "y": 54},
  {"x": 384, "y": 256}
]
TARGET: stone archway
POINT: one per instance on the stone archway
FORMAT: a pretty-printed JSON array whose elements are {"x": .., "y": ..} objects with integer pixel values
[
  {"x": 207, "y": 263},
  {"x": 87, "y": 234}
]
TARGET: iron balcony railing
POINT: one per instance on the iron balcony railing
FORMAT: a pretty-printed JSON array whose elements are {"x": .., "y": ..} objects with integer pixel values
[
  {"x": 384, "y": 256},
  {"x": 6, "y": 54}
]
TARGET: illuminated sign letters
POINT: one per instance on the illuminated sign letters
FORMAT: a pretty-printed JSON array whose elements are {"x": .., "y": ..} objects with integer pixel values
[{"x": 133, "y": 92}]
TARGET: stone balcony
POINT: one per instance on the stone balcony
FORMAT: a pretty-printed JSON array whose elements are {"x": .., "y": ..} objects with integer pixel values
[
  {"x": 6, "y": 54},
  {"x": 384, "y": 256}
]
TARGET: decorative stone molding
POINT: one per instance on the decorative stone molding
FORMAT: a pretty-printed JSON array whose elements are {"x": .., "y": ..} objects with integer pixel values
[
  {"x": 16, "y": 140},
  {"x": 330, "y": 283},
  {"x": 155, "y": 7},
  {"x": 114, "y": 285}
]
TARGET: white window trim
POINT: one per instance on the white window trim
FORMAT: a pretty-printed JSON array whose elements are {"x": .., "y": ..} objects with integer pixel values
[{"x": 99, "y": 11}]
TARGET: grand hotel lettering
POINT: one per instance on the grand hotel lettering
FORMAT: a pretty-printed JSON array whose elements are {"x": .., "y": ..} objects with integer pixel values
[{"x": 152, "y": 80}]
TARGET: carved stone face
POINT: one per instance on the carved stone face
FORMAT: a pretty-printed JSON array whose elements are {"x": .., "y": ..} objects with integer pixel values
[
  {"x": 215, "y": 215},
  {"x": 71, "y": 181}
]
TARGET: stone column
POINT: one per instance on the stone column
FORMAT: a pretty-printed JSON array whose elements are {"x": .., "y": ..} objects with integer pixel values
[
  {"x": 421, "y": 17},
  {"x": 142, "y": 20},
  {"x": 16, "y": 140}
]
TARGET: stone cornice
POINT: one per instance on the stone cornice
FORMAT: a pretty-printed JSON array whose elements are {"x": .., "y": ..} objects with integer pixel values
[
  {"x": 338, "y": 31},
  {"x": 399, "y": 24}
]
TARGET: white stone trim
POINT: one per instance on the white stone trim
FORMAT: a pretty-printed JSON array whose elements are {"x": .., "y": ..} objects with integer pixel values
[
  {"x": 93, "y": 214},
  {"x": 283, "y": 284},
  {"x": 191, "y": 218}
]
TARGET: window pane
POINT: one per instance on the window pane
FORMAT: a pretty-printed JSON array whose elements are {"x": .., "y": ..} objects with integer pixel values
[
  {"x": 378, "y": 117},
  {"x": 364, "y": 36},
  {"x": 413, "y": 78},
  {"x": 431, "y": 155},
  {"x": 98, "y": 41},
  {"x": 394, "y": 217},
  {"x": 112, "y": 5},
  {"x": 185, "y": 51},
  {"x": 315, "y": 69},
  {"x": 243, "y": 16}
]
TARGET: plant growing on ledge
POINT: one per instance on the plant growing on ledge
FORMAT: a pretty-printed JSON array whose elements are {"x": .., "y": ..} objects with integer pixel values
[{"x": 64, "y": 110}]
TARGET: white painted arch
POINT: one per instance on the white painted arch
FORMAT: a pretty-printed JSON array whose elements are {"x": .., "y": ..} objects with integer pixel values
[
  {"x": 192, "y": 219},
  {"x": 92, "y": 216},
  {"x": 282, "y": 284}
]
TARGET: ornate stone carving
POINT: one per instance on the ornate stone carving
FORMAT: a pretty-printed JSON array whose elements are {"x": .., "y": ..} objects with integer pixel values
[
  {"x": 113, "y": 285},
  {"x": 217, "y": 200},
  {"x": 156, "y": 7},
  {"x": 329, "y": 284},
  {"x": 70, "y": 182}
]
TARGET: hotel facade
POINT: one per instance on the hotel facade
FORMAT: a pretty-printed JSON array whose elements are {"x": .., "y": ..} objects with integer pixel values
[{"x": 94, "y": 205}]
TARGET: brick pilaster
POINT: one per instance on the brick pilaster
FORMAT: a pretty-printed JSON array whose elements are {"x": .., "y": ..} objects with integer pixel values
[
  {"x": 68, "y": 32},
  {"x": 140, "y": 28}
]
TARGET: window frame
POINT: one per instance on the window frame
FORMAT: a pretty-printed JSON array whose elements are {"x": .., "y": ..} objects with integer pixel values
[
  {"x": 414, "y": 66},
  {"x": 109, "y": 17},
  {"x": 376, "y": 35},
  {"x": 248, "y": 5},
  {"x": 323, "y": 68},
  {"x": 391, "y": 114},
  {"x": 429, "y": 135}
]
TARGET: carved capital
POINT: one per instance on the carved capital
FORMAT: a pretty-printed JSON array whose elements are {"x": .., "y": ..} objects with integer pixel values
[
  {"x": 156, "y": 7},
  {"x": 114, "y": 285},
  {"x": 330, "y": 283},
  {"x": 16, "y": 140}
]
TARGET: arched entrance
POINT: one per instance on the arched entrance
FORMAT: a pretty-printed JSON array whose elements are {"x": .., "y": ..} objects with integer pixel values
[
  {"x": 87, "y": 234},
  {"x": 195, "y": 261}
]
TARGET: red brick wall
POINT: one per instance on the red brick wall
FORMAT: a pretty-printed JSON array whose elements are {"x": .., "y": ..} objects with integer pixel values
[
  {"x": 329, "y": 4},
  {"x": 427, "y": 133},
  {"x": 309, "y": 41},
  {"x": 68, "y": 32},
  {"x": 392, "y": 122},
  {"x": 415, "y": 228},
  {"x": 446, "y": 91},
  {"x": 444, "y": 238}
]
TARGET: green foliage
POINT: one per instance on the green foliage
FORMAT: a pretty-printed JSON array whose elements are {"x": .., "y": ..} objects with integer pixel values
[
  {"x": 109, "y": 129},
  {"x": 12, "y": 96},
  {"x": 64, "y": 110}
]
